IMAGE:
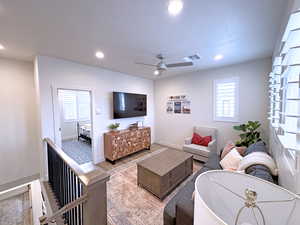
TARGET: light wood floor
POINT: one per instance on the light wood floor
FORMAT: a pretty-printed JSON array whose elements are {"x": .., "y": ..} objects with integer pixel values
[{"x": 108, "y": 166}]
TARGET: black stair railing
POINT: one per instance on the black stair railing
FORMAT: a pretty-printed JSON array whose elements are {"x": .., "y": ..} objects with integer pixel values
[
  {"x": 80, "y": 196},
  {"x": 66, "y": 186}
]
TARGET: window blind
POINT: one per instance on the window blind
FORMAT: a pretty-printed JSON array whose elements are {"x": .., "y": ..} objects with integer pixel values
[
  {"x": 84, "y": 106},
  {"x": 75, "y": 105},
  {"x": 69, "y": 106},
  {"x": 226, "y": 99}
]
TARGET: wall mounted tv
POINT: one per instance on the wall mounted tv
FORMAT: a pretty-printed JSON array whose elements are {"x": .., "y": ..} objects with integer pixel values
[{"x": 129, "y": 105}]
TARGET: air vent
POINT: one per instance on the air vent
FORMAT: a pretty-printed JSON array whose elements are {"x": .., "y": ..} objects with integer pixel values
[{"x": 194, "y": 57}]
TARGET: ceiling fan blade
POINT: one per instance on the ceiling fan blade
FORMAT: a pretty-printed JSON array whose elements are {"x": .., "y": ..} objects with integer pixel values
[
  {"x": 180, "y": 64},
  {"x": 145, "y": 64}
]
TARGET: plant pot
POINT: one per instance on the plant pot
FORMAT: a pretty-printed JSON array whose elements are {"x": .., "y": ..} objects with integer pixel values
[{"x": 114, "y": 130}]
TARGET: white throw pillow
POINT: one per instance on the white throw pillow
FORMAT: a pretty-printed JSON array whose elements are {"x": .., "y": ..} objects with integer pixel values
[{"x": 231, "y": 160}]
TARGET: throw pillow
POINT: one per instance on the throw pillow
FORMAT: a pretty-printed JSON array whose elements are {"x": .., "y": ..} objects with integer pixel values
[
  {"x": 241, "y": 150},
  {"x": 232, "y": 160},
  {"x": 205, "y": 140},
  {"x": 198, "y": 140},
  {"x": 227, "y": 149}
]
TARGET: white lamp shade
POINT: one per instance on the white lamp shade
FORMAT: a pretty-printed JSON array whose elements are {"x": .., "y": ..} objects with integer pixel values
[{"x": 219, "y": 197}]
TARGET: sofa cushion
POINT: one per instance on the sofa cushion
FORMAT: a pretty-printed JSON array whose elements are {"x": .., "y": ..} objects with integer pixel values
[
  {"x": 184, "y": 192},
  {"x": 213, "y": 161},
  {"x": 256, "y": 147},
  {"x": 185, "y": 207},
  {"x": 183, "y": 196},
  {"x": 196, "y": 149},
  {"x": 261, "y": 172},
  {"x": 170, "y": 208}
]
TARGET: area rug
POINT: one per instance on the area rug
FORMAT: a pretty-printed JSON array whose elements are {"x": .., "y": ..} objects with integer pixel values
[
  {"x": 80, "y": 151},
  {"x": 129, "y": 204}
]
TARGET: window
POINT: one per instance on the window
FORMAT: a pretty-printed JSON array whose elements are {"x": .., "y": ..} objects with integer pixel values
[
  {"x": 84, "y": 106},
  {"x": 75, "y": 105},
  {"x": 226, "y": 99}
]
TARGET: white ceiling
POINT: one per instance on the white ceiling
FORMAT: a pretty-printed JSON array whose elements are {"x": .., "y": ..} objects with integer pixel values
[{"x": 136, "y": 30}]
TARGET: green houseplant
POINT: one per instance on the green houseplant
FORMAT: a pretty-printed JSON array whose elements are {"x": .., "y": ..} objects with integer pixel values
[
  {"x": 249, "y": 134},
  {"x": 114, "y": 126}
]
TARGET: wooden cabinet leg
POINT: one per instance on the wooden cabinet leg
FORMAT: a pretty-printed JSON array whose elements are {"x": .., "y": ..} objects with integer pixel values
[{"x": 112, "y": 162}]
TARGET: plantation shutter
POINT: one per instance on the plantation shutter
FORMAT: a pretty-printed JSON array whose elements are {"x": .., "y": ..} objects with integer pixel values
[
  {"x": 84, "y": 106},
  {"x": 226, "y": 99},
  {"x": 76, "y": 105},
  {"x": 69, "y": 104}
]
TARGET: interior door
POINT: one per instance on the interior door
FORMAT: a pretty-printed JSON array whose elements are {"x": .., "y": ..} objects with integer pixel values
[{"x": 56, "y": 117}]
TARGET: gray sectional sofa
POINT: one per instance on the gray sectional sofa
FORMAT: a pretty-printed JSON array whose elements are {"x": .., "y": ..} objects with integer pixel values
[{"x": 180, "y": 209}]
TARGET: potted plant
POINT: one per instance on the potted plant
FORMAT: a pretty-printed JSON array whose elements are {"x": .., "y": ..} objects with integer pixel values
[
  {"x": 114, "y": 126},
  {"x": 249, "y": 134}
]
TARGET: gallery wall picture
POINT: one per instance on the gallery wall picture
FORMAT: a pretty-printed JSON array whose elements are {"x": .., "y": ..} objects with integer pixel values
[
  {"x": 178, "y": 104},
  {"x": 170, "y": 107},
  {"x": 186, "y": 107},
  {"x": 177, "y": 107}
]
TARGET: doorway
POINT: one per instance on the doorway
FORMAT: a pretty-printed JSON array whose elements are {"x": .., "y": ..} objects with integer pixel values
[{"x": 75, "y": 124}]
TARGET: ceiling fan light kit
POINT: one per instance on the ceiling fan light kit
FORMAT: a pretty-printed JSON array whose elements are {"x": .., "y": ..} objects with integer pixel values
[
  {"x": 175, "y": 7},
  {"x": 162, "y": 66}
]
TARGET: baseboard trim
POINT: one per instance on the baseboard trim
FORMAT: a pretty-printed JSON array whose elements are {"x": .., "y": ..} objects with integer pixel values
[
  {"x": 170, "y": 145},
  {"x": 16, "y": 183}
]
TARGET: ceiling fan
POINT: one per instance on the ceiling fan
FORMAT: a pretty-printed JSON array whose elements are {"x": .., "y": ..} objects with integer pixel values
[{"x": 162, "y": 66}]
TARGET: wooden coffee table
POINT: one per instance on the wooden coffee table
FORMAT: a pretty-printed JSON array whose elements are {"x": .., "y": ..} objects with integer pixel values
[{"x": 161, "y": 173}]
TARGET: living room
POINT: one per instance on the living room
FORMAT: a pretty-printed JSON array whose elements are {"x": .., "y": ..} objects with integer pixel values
[{"x": 165, "y": 106}]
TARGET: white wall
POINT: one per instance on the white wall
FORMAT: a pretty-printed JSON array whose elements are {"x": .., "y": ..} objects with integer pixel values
[
  {"x": 171, "y": 129},
  {"x": 66, "y": 74},
  {"x": 18, "y": 130}
]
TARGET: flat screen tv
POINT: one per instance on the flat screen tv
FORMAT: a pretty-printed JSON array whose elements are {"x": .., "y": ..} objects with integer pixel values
[{"x": 129, "y": 105}]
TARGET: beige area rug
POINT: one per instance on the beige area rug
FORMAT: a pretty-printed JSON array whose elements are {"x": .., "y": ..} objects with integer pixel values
[{"x": 129, "y": 204}]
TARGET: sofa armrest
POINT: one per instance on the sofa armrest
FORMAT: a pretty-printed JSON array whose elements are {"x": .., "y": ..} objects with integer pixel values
[
  {"x": 212, "y": 146},
  {"x": 188, "y": 141}
]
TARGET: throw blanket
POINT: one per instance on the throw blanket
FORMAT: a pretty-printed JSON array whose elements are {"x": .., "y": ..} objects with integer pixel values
[{"x": 258, "y": 158}]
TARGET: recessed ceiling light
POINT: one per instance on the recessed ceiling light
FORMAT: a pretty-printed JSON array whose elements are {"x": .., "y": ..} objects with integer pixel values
[
  {"x": 99, "y": 55},
  {"x": 175, "y": 7},
  {"x": 156, "y": 72},
  {"x": 1, "y": 47},
  {"x": 218, "y": 57}
]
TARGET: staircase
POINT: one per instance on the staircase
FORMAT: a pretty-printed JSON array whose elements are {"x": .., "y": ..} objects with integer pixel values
[{"x": 72, "y": 196}]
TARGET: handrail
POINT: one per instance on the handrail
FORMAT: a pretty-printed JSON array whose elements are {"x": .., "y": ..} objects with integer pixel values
[
  {"x": 87, "y": 178},
  {"x": 80, "y": 195},
  {"x": 44, "y": 220}
]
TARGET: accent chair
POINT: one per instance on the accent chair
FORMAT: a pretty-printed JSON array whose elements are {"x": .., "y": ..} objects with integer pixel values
[{"x": 201, "y": 152}]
